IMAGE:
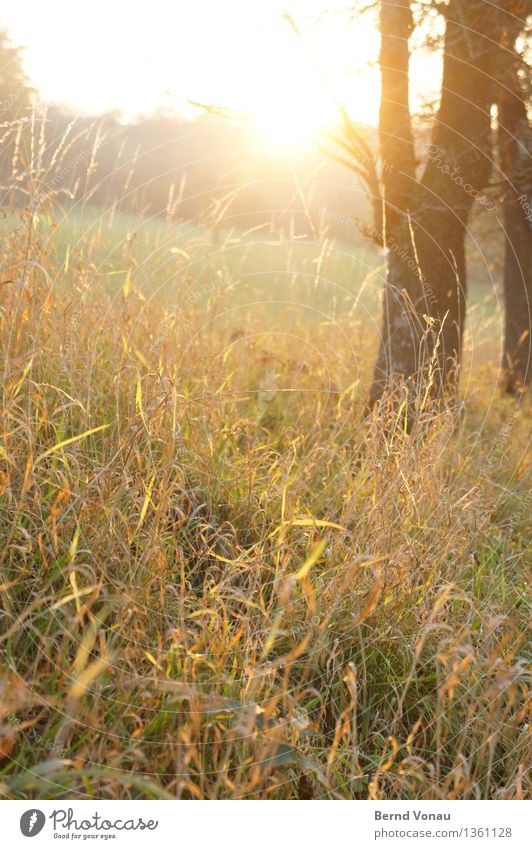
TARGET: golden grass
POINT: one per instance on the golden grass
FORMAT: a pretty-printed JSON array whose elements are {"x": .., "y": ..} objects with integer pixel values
[{"x": 219, "y": 578}]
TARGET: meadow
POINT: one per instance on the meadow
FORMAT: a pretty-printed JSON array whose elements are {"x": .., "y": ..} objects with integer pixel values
[{"x": 222, "y": 576}]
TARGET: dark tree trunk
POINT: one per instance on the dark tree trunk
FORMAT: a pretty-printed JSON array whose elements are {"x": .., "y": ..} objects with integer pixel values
[
  {"x": 515, "y": 152},
  {"x": 401, "y": 330},
  {"x": 425, "y": 221}
]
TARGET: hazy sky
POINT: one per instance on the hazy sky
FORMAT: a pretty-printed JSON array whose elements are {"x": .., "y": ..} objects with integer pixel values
[{"x": 139, "y": 55}]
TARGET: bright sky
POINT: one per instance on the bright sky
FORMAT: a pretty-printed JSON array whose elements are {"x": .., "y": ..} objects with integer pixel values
[{"x": 136, "y": 56}]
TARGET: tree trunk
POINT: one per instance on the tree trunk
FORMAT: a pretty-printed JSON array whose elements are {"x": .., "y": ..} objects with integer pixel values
[
  {"x": 400, "y": 332},
  {"x": 515, "y": 152},
  {"x": 425, "y": 221}
]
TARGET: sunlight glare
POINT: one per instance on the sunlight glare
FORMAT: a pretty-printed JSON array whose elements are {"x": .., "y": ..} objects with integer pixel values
[
  {"x": 248, "y": 59},
  {"x": 290, "y": 124}
]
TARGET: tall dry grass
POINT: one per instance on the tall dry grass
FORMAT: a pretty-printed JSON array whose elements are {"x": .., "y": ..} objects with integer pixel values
[{"x": 220, "y": 579}]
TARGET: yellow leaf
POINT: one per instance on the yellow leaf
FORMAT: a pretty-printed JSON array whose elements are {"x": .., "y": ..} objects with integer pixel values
[
  {"x": 69, "y": 442},
  {"x": 81, "y": 685},
  {"x": 309, "y": 522},
  {"x": 127, "y": 283},
  {"x": 145, "y": 505},
  {"x": 272, "y": 636},
  {"x": 373, "y": 597},
  {"x": 74, "y": 584},
  {"x": 87, "y": 643},
  {"x": 76, "y": 595},
  {"x": 17, "y": 386},
  {"x": 142, "y": 358},
  {"x": 138, "y": 401},
  {"x": 312, "y": 560},
  {"x": 152, "y": 660},
  {"x": 74, "y": 543}
]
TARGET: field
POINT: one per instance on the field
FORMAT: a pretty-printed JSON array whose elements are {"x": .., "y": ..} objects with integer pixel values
[{"x": 221, "y": 576}]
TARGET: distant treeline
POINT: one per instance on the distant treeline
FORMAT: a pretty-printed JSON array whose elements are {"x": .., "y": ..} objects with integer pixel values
[{"x": 162, "y": 165}]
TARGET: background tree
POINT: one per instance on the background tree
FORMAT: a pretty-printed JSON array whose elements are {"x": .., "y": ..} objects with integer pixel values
[
  {"x": 15, "y": 90},
  {"x": 16, "y": 96},
  {"x": 515, "y": 162},
  {"x": 425, "y": 215}
]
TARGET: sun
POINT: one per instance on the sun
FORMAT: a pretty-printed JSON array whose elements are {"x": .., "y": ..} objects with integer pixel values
[
  {"x": 291, "y": 124},
  {"x": 293, "y": 88},
  {"x": 290, "y": 102}
]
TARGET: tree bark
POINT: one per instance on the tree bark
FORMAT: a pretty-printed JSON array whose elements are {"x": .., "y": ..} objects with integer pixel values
[
  {"x": 425, "y": 221},
  {"x": 515, "y": 154},
  {"x": 400, "y": 331}
]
